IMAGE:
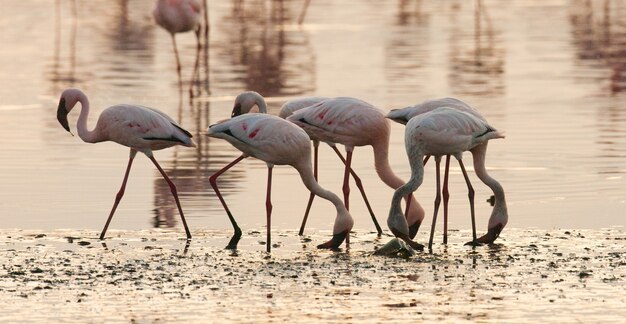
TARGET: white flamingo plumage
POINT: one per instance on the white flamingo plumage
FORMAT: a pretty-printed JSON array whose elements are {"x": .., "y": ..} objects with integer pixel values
[
  {"x": 141, "y": 128},
  {"x": 403, "y": 115},
  {"x": 277, "y": 142},
  {"x": 247, "y": 100},
  {"x": 353, "y": 122},
  {"x": 448, "y": 131}
]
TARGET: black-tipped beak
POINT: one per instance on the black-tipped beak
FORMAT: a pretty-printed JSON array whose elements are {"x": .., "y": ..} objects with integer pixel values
[
  {"x": 413, "y": 229},
  {"x": 407, "y": 240},
  {"x": 492, "y": 234},
  {"x": 236, "y": 110},
  {"x": 62, "y": 115},
  {"x": 334, "y": 242}
]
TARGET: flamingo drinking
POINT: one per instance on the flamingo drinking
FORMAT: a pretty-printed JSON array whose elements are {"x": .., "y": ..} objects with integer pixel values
[{"x": 277, "y": 142}]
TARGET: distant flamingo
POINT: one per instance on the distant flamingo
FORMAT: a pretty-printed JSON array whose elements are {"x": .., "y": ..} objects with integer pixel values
[
  {"x": 447, "y": 131},
  {"x": 141, "y": 128},
  {"x": 179, "y": 16},
  {"x": 277, "y": 142},
  {"x": 247, "y": 100},
  {"x": 353, "y": 122},
  {"x": 403, "y": 115}
]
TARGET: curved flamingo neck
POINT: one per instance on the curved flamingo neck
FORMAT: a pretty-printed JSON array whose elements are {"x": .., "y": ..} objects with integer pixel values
[
  {"x": 396, "y": 219},
  {"x": 344, "y": 219},
  {"x": 83, "y": 132},
  {"x": 499, "y": 215},
  {"x": 386, "y": 174}
]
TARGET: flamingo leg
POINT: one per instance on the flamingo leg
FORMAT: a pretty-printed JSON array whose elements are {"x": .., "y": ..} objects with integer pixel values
[
  {"x": 446, "y": 198},
  {"x": 268, "y": 208},
  {"x": 178, "y": 67},
  {"x": 213, "y": 181},
  {"x": 426, "y": 159},
  {"x": 437, "y": 202},
  {"x": 120, "y": 193},
  {"x": 316, "y": 145},
  {"x": 346, "y": 180},
  {"x": 470, "y": 195},
  {"x": 194, "y": 76},
  {"x": 175, "y": 194},
  {"x": 359, "y": 185}
]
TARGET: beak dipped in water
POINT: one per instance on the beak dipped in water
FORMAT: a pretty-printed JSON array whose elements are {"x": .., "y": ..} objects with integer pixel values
[
  {"x": 492, "y": 234},
  {"x": 62, "y": 115},
  {"x": 334, "y": 242}
]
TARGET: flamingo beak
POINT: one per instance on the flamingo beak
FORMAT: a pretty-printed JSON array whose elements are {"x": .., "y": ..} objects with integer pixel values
[
  {"x": 492, "y": 234},
  {"x": 62, "y": 115},
  {"x": 236, "y": 110},
  {"x": 413, "y": 229},
  {"x": 407, "y": 240},
  {"x": 334, "y": 242}
]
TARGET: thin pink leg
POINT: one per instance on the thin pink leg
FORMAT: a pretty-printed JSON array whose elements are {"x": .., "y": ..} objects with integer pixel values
[
  {"x": 446, "y": 198},
  {"x": 316, "y": 145},
  {"x": 470, "y": 195},
  {"x": 178, "y": 67},
  {"x": 175, "y": 194},
  {"x": 359, "y": 185},
  {"x": 437, "y": 202},
  {"x": 120, "y": 193},
  {"x": 213, "y": 181},
  {"x": 346, "y": 180},
  {"x": 195, "y": 76},
  {"x": 268, "y": 208}
]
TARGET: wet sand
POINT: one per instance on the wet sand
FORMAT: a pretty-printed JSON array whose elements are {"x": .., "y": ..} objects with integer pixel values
[{"x": 150, "y": 276}]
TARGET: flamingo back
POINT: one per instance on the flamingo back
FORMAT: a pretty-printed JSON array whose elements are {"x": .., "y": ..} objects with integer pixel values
[
  {"x": 265, "y": 137},
  {"x": 177, "y": 16},
  {"x": 291, "y": 106},
  {"x": 446, "y": 131},
  {"x": 141, "y": 128},
  {"x": 403, "y": 115},
  {"x": 343, "y": 120}
]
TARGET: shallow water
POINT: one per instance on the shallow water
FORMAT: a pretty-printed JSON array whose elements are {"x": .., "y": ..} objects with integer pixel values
[
  {"x": 550, "y": 74},
  {"x": 551, "y": 276}
]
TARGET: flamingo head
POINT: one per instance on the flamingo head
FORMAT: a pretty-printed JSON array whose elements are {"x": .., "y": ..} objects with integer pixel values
[
  {"x": 341, "y": 229},
  {"x": 68, "y": 100},
  {"x": 245, "y": 101}
]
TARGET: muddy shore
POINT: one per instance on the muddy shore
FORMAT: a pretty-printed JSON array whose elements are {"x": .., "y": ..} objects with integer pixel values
[{"x": 152, "y": 276}]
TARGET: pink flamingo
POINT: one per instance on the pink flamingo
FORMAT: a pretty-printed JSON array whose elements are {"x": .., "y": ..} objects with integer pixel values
[
  {"x": 179, "y": 16},
  {"x": 247, "y": 100},
  {"x": 277, "y": 142},
  {"x": 403, "y": 115},
  {"x": 447, "y": 131},
  {"x": 353, "y": 122},
  {"x": 141, "y": 128}
]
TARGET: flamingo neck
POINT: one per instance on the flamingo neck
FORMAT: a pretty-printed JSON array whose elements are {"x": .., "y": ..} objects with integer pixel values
[
  {"x": 499, "y": 214},
  {"x": 344, "y": 220},
  {"x": 386, "y": 174},
  {"x": 396, "y": 219},
  {"x": 83, "y": 132}
]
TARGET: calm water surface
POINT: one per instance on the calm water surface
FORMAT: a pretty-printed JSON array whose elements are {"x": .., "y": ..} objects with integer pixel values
[{"x": 551, "y": 74}]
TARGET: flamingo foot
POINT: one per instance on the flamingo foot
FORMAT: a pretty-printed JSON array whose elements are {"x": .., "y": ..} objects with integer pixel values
[
  {"x": 492, "y": 234},
  {"x": 414, "y": 228},
  {"x": 334, "y": 242}
]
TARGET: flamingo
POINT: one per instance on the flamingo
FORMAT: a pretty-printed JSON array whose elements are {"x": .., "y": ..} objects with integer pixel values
[
  {"x": 353, "y": 122},
  {"x": 403, "y": 115},
  {"x": 447, "y": 131},
  {"x": 179, "y": 16},
  {"x": 247, "y": 100},
  {"x": 143, "y": 129},
  {"x": 277, "y": 142}
]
